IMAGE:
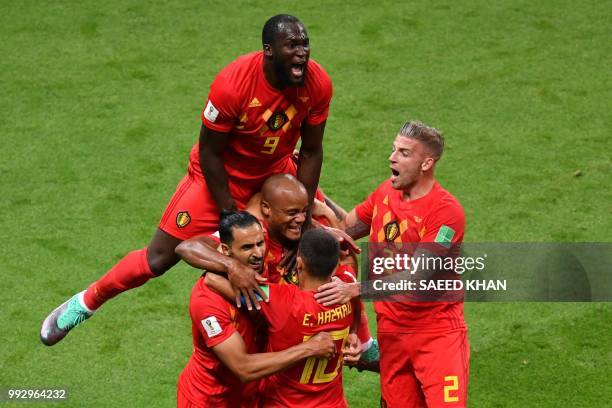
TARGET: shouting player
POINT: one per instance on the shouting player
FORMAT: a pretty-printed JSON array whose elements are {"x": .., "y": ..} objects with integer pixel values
[
  {"x": 424, "y": 351},
  {"x": 225, "y": 362},
  {"x": 257, "y": 109},
  {"x": 294, "y": 316}
]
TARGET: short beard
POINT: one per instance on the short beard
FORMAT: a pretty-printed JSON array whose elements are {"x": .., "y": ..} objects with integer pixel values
[{"x": 283, "y": 76}]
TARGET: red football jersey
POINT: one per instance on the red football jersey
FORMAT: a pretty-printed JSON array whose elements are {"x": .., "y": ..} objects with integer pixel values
[
  {"x": 274, "y": 255},
  {"x": 205, "y": 381},
  {"x": 264, "y": 123},
  {"x": 435, "y": 217},
  {"x": 293, "y": 317}
]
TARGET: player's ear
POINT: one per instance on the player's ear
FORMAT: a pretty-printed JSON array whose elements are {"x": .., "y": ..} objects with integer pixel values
[
  {"x": 267, "y": 50},
  {"x": 265, "y": 208},
  {"x": 225, "y": 249},
  {"x": 299, "y": 264},
  {"x": 427, "y": 164}
]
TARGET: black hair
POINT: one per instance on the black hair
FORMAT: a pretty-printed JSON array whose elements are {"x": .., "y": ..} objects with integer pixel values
[
  {"x": 234, "y": 219},
  {"x": 320, "y": 252},
  {"x": 272, "y": 27}
]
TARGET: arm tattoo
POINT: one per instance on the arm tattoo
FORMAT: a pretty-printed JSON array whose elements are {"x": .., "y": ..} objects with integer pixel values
[{"x": 358, "y": 229}]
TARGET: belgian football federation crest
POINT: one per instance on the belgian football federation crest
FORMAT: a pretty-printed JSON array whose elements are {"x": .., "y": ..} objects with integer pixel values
[
  {"x": 183, "y": 219},
  {"x": 391, "y": 231},
  {"x": 277, "y": 120},
  {"x": 292, "y": 277}
]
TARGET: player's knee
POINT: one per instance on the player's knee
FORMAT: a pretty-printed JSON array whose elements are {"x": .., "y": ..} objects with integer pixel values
[{"x": 161, "y": 260}]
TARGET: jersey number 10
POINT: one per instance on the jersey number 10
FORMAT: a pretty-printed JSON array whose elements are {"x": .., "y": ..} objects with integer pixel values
[{"x": 318, "y": 365}]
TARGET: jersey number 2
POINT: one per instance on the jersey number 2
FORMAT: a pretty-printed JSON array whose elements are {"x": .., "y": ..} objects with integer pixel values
[
  {"x": 454, "y": 386},
  {"x": 318, "y": 365}
]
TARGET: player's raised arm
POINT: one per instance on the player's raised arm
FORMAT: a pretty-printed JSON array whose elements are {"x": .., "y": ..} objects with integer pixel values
[
  {"x": 249, "y": 367},
  {"x": 311, "y": 157},
  {"x": 212, "y": 146}
]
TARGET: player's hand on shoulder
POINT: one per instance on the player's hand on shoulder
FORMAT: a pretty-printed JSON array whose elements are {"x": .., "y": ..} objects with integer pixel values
[
  {"x": 245, "y": 282},
  {"x": 352, "y": 350},
  {"x": 321, "y": 345},
  {"x": 336, "y": 292},
  {"x": 346, "y": 242}
]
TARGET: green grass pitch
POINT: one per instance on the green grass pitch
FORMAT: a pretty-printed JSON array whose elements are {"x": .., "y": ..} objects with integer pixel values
[{"x": 100, "y": 104}]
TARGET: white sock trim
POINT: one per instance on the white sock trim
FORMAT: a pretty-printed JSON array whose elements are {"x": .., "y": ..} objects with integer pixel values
[
  {"x": 365, "y": 346},
  {"x": 81, "y": 297}
]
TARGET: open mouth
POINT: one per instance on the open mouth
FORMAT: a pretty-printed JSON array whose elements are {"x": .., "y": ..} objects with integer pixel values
[
  {"x": 256, "y": 264},
  {"x": 394, "y": 175},
  {"x": 297, "y": 70}
]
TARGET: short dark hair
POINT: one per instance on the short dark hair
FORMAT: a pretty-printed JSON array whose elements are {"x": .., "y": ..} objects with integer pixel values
[
  {"x": 320, "y": 252},
  {"x": 272, "y": 27},
  {"x": 431, "y": 137},
  {"x": 234, "y": 219}
]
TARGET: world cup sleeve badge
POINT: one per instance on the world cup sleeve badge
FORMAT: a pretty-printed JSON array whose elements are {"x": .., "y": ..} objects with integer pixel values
[{"x": 212, "y": 326}]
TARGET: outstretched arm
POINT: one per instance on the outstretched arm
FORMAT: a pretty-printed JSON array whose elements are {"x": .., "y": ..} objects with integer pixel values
[
  {"x": 248, "y": 367},
  {"x": 338, "y": 211},
  {"x": 354, "y": 227}
]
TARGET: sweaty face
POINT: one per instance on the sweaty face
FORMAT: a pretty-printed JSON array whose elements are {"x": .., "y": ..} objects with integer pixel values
[
  {"x": 406, "y": 162},
  {"x": 287, "y": 214},
  {"x": 291, "y": 51},
  {"x": 248, "y": 246}
]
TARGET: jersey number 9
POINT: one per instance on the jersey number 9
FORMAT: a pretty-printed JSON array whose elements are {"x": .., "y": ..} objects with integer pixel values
[{"x": 270, "y": 144}]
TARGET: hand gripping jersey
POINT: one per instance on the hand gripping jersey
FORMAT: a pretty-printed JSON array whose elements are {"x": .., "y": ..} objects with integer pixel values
[{"x": 293, "y": 317}]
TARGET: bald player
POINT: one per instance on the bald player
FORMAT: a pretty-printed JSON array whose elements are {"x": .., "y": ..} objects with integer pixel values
[{"x": 281, "y": 207}]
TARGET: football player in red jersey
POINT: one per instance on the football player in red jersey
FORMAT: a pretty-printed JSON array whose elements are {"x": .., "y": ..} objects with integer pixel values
[
  {"x": 294, "y": 316},
  {"x": 258, "y": 107},
  {"x": 225, "y": 362},
  {"x": 281, "y": 207},
  {"x": 424, "y": 350}
]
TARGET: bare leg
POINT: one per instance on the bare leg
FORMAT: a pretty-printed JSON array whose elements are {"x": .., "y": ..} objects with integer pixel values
[{"x": 160, "y": 255}]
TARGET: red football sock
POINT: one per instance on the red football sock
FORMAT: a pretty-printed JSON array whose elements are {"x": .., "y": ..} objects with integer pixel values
[
  {"x": 129, "y": 273},
  {"x": 363, "y": 331}
]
